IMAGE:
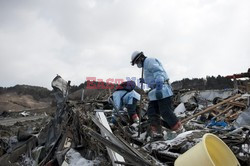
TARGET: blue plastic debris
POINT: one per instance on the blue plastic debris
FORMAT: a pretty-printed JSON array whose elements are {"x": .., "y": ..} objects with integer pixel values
[{"x": 213, "y": 122}]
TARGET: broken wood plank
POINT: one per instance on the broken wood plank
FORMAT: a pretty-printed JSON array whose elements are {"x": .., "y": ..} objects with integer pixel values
[
  {"x": 115, "y": 157},
  {"x": 238, "y": 104},
  {"x": 210, "y": 108},
  {"x": 213, "y": 114},
  {"x": 233, "y": 116},
  {"x": 127, "y": 154},
  {"x": 217, "y": 110},
  {"x": 227, "y": 109}
]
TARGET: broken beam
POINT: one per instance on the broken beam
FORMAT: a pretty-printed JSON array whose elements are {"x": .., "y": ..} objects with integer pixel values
[
  {"x": 210, "y": 108},
  {"x": 130, "y": 156},
  {"x": 238, "y": 104}
]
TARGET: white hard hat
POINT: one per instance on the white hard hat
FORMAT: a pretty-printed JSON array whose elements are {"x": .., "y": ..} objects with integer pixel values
[{"x": 135, "y": 55}]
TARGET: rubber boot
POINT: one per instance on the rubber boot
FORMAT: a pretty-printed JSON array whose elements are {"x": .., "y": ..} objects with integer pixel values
[
  {"x": 156, "y": 133},
  {"x": 177, "y": 127}
]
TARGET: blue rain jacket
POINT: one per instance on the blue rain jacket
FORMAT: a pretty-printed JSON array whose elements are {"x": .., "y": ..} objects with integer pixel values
[
  {"x": 127, "y": 99},
  {"x": 154, "y": 72}
]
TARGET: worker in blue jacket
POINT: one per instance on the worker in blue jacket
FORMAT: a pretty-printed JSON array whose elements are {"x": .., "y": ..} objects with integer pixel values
[
  {"x": 160, "y": 104},
  {"x": 127, "y": 98}
]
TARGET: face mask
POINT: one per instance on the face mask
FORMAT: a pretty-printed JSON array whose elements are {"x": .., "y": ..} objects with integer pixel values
[{"x": 139, "y": 65}]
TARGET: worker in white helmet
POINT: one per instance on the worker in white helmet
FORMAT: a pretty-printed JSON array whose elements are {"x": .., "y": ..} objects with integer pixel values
[{"x": 160, "y": 104}]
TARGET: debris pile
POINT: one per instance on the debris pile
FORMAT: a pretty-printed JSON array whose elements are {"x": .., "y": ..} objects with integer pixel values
[{"x": 81, "y": 132}]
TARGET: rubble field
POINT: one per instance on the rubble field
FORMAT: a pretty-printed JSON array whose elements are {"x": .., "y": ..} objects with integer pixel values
[{"x": 80, "y": 132}]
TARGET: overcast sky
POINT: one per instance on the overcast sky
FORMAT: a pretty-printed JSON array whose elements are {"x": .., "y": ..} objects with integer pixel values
[{"x": 95, "y": 38}]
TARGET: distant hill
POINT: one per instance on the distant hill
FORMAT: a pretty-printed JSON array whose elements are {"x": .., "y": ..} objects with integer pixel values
[
  {"x": 35, "y": 91},
  {"x": 24, "y": 97},
  {"x": 212, "y": 82}
]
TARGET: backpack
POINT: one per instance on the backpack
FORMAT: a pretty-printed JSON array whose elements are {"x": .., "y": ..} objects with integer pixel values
[{"x": 127, "y": 86}]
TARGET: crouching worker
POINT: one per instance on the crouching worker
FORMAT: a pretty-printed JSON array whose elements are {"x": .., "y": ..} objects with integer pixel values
[
  {"x": 160, "y": 104},
  {"x": 125, "y": 98}
]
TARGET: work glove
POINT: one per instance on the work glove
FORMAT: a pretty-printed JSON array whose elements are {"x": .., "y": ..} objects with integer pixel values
[
  {"x": 142, "y": 80},
  {"x": 158, "y": 94}
]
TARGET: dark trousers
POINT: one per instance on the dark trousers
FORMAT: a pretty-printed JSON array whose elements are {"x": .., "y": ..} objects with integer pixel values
[
  {"x": 132, "y": 108},
  {"x": 162, "y": 108}
]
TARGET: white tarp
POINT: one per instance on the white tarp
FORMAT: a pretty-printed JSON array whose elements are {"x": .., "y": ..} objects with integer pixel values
[{"x": 206, "y": 94}]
